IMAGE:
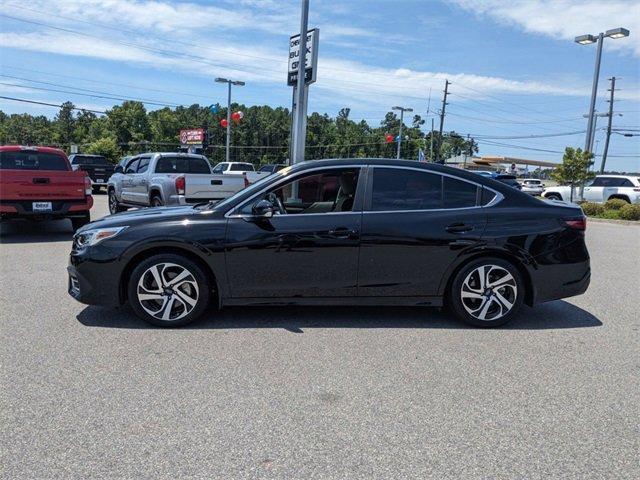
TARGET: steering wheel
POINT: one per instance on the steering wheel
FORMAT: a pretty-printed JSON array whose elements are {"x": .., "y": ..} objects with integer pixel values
[{"x": 273, "y": 198}]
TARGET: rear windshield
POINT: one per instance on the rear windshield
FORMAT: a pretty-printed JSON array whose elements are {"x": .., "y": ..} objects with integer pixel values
[
  {"x": 82, "y": 160},
  {"x": 32, "y": 161},
  {"x": 182, "y": 165},
  {"x": 241, "y": 167}
]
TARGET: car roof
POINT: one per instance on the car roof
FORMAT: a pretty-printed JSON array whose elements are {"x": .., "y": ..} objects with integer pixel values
[
  {"x": 19, "y": 148},
  {"x": 617, "y": 176}
]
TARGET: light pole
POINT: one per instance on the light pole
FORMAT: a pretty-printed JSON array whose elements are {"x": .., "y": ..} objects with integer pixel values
[
  {"x": 229, "y": 83},
  {"x": 587, "y": 40},
  {"x": 402, "y": 110}
]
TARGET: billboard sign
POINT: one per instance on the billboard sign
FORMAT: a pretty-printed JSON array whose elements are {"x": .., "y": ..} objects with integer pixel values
[
  {"x": 311, "y": 58},
  {"x": 194, "y": 136}
]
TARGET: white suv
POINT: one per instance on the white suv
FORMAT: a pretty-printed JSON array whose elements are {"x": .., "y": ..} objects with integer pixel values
[
  {"x": 533, "y": 186},
  {"x": 603, "y": 188}
]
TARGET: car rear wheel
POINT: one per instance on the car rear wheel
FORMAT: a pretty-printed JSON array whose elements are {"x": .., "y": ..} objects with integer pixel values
[
  {"x": 114, "y": 204},
  {"x": 156, "y": 201},
  {"x": 168, "y": 290},
  {"x": 487, "y": 292},
  {"x": 553, "y": 196},
  {"x": 77, "y": 222}
]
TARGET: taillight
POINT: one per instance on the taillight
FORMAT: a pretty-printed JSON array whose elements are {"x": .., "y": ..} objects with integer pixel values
[
  {"x": 180, "y": 185},
  {"x": 87, "y": 186},
  {"x": 579, "y": 223}
]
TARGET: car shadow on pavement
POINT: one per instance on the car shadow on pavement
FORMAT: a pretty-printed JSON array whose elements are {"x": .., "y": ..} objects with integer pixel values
[
  {"x": 36, "y": 232},
  {"x": 553, "y": 315}
]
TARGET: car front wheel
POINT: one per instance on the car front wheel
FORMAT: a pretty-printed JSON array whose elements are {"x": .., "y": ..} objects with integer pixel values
[
  {"x": 487, "y": 292},
  {"x": 114, "y": 204},
  {"x": 168, "y": 290}
]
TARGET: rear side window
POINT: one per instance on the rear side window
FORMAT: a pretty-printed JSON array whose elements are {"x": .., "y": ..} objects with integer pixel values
[
  {"x": 486, "y": 196},
  {"x": 401, "y": 189},
  {"x": 32, "y": 161},
  {"x": 459, "y": 194},
  {"x": 199, "y": 165},
  {"x": 626, "y": 182},
  {"x": 241, "y": 167}
]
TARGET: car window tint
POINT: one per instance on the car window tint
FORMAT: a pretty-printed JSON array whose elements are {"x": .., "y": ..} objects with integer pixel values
[
  {"x": 602, "y": 182},
  {"x": 32, "y": 161},
  {"x": 172, "y": 165},
  {"x": 459, "y": 194},
  {"x": 486, "y": 196},
  {"x": 143, "y": 166},
  {"x": 241, "y": 167},
  {"x": 328, "y": 191},
  {"x": 199, "y": 165},
  {"x": 625, "y": 182},
  {"x": 132, "y": 166},
  {"x": 403, "y": 189}
]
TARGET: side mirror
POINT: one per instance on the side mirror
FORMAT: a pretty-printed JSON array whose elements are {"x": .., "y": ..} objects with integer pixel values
[
  {"x": 118, "y": 169},
  {"x": 263, "y": 209}
]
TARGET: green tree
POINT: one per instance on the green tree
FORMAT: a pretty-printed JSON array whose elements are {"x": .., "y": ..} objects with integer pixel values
[
  {"x": 106, "y": 146},
  {"x": 65, "y": 124},
  {"x": 129, "y": 124},
  {"x": 574, "y": 169}
]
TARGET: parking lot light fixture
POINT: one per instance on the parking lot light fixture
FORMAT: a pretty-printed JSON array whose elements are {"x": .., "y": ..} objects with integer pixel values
[
  {"x": 239, "y": 83},
  {"x": 617, "y": 33},
  {"x": 585, "y": 39}
]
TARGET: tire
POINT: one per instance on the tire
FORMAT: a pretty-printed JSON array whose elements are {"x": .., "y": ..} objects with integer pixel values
[
  {"x": 77, "y": 222},
  {"x": 484, "y": 306},
  {"x": 168, "y": 305},
  {"x": 114, "y": 204},
  {"x": 156, "y": 201},
  {"x": 553, "y": 196}
]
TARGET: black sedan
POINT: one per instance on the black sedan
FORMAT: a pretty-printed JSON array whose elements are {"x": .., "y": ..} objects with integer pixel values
[{"x": 341, "y": 232}]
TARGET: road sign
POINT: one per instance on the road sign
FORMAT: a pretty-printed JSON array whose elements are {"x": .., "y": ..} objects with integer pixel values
[
  {"x": 194, "y": 136},
  {"x": 311, "y": 59}
]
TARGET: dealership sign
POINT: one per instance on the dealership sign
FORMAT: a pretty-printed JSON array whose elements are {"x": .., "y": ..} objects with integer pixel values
[
  {"x": 311, "y": 58},
  {"x": 194, "y": 136}
]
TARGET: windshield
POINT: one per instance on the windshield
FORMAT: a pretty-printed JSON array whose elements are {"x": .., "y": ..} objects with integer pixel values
[
  {"x": 32, "y": 161},
  {"x": 254, "y": 187}
]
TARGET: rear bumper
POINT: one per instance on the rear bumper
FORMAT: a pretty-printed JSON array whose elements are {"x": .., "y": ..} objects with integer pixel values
[
  {"x": 553, "y": 282},
  {"x": 59, "y": 208}
]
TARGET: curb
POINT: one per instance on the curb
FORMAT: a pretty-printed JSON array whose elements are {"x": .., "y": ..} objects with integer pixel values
[{"x": 613, "y": 220}]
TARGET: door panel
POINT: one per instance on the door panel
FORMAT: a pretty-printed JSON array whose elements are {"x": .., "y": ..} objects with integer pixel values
[
  {"x": 407, "y": 253},
  {"x": 311, "y": 255}
]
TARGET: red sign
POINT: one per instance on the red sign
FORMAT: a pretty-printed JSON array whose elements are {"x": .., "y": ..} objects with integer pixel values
[{"x": 194, "y": 136}]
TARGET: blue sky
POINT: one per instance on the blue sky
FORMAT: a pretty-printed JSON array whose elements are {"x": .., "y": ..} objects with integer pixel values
[{"x": 514, "y": 67}]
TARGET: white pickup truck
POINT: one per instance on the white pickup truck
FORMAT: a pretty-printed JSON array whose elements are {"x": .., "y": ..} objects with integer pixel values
[
  {"x": 601, "y": 189},
  {"x": 234, "y": 168},
  {"x": 157, "y": 179}
]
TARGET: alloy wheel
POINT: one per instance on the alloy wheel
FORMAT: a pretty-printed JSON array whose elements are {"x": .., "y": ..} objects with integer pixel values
[
  {"x": 489, "y": 292},
  {"x": 167, "y": 291},
  {"x": 113, "y": 202}
]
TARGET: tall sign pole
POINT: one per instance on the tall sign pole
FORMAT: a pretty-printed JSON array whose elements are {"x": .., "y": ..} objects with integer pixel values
[{"x": 303, "y": 65}]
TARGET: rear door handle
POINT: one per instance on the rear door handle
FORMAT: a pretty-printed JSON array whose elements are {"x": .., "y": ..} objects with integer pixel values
[
  {"x": 458, "y": 228},
  {"x": 343, "y": 233}
]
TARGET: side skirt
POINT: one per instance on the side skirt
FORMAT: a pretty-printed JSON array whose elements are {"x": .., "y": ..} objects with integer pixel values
[{"x": 321, "y": 301}]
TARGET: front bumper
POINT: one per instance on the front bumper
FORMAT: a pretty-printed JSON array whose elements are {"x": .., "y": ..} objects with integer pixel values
[{"x": 93, "y": 282}]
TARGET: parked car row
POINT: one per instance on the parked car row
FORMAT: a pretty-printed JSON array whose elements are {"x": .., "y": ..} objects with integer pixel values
[{"x": 601, "y": 189}]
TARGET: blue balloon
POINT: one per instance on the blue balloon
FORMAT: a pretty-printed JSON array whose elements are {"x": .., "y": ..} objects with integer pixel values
[
  {"x": 397, "y": 138},
  {"x": 214, "y": 109}
]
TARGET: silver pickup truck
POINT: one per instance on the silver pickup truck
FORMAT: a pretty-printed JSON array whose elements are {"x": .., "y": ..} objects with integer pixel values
[{"x": 157, "y": 179}]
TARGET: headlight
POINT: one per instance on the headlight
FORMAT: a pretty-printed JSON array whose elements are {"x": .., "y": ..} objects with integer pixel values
[{"x": 96, "y": 235}]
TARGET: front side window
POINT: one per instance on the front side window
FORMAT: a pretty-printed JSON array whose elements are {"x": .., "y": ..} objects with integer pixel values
[
  {"x": 602, "y": 182},
  {"x": 404, "y": 189},
  {"x": 220, "y": 168},
  {"x": 132, "y": 166},
  {"x": 329, "y": 191},
  {"x": 143, "y": 166}
]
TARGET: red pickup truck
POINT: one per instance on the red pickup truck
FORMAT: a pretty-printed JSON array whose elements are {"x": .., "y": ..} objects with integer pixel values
[{"x": 38, "y": 183}]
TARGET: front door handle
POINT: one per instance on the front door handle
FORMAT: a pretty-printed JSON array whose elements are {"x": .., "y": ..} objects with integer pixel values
[
  {"x": 343, "y": 233},
  {"x": 458, "y": 228}
]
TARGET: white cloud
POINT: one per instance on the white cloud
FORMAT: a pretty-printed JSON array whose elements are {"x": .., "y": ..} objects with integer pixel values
[{"x": 565, "y": 19}]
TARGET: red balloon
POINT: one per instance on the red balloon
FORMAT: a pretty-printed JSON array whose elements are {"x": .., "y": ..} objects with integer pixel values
[
  {"x": 224, "y": 123},
  {"x": 236, "y": 116},
  {"x": 388, "y": 138}
]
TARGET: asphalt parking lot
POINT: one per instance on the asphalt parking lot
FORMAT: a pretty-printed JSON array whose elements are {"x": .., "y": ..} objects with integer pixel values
[{"x": 317, "y": 392}]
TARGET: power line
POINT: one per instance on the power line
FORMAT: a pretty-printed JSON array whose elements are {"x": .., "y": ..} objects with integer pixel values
[{"x": 50, "y": 104}]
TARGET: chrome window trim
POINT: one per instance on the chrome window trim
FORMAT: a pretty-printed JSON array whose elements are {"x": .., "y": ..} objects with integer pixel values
[
  {"x": 230, "y": 213},
  {"x": 498, "y": 197}
]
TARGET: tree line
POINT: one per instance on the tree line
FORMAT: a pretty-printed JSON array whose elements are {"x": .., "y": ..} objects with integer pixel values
[{"x": 261, "y": 136}]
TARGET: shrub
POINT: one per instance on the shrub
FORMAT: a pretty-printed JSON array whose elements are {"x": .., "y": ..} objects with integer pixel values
[
  {"x": 615, "y": 204},
  {"x": 630, "y": 212},
  {"x": 592, "y": 209}
]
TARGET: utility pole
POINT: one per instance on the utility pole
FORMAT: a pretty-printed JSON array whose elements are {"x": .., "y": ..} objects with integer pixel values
[
  {"x": 402, "y": 110},
  {"x": 442, "y": 112},
  {"x": 300, "y": 113},
  {"x": 606, "y": 143},
  {"x": 431, "y": 148}
]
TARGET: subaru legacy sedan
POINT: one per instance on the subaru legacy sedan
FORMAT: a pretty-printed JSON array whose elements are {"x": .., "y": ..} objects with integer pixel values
[{"x": 339, "y": 232}]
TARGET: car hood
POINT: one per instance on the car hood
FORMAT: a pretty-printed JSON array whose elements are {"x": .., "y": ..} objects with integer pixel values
[{"x": 147, "y": 215}]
